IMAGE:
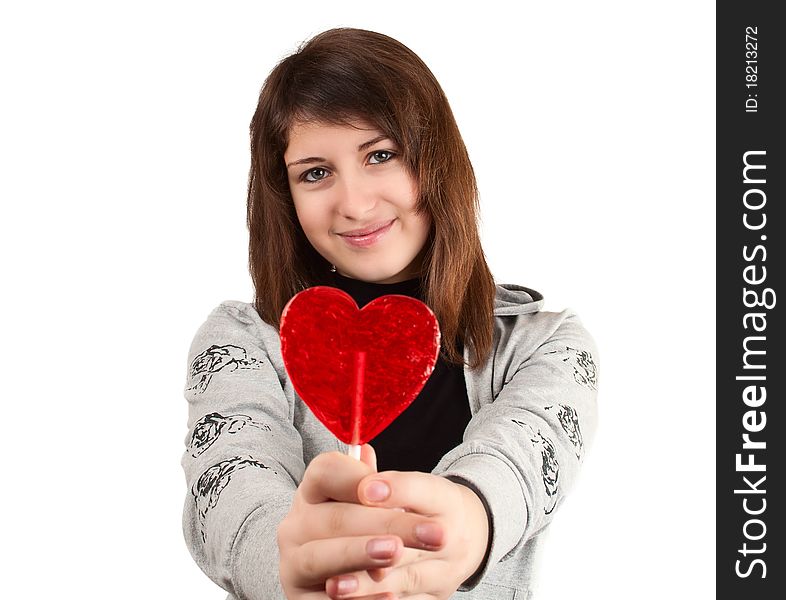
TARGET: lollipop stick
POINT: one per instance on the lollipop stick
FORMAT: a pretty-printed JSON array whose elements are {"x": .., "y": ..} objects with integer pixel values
[{"x": 357, "y": 404}]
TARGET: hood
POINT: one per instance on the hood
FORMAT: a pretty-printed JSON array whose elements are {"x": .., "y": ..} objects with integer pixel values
[{"x": 513, "y": 299}]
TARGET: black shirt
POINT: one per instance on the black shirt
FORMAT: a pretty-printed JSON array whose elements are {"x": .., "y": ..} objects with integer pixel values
[{"x": 435, "y": 421}]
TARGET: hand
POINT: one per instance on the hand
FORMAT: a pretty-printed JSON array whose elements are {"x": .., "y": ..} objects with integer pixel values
[
  {"x": 457, "y": 547},
  {"x": 329, "y": 532}
]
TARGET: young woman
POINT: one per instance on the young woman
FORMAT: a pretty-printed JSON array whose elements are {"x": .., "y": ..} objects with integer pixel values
[{"x": 360, "y": 180}]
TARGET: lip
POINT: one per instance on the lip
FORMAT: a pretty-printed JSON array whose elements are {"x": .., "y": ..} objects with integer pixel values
[
  {"x": 366, "y": 230},
  {"x": 368, "y": 236}
]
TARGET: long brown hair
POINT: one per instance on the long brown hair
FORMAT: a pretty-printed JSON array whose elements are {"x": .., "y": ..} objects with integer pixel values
[{"x": 339, "y": 76}]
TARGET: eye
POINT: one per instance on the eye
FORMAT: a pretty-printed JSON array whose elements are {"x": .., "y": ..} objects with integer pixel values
[
  {"x": 314, "y": 175},
  {"x": 380, "y": 156}
]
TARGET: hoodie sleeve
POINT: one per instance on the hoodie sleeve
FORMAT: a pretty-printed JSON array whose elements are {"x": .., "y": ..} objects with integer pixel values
[
  {"x": 521, "y": 452},
  {"x": 243, "y": 456}
]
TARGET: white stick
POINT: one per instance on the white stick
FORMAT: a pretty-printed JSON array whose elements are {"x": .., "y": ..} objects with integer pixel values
[{"x": 357, "y": 403}]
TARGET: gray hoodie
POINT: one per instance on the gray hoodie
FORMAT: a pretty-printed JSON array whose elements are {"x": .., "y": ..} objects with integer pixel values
[{"x": 250, "y": 438}]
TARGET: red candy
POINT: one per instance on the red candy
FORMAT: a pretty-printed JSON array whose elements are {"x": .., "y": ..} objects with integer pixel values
[{"x": 357, "y": 370}]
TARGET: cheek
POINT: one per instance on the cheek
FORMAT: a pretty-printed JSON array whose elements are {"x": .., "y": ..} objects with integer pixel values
[
  {"x": 423, "y": 225},
  {"x": 400, "y": 187},
  {"x": 409, "y": 189},
  {"x": 308, "y": 217}
]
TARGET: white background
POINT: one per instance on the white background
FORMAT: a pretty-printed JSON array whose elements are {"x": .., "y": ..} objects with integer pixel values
[{"x": 124, "y": 147}]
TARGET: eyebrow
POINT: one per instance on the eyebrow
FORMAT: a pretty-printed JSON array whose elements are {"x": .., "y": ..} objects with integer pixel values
[{"x": 314, "y": 159}]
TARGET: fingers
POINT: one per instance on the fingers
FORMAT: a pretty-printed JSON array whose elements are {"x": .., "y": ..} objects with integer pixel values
[
  {"x": 368, "y": 456},
  {"x": 334, "y": 476},
  {"x": 382, "y": 596},
  {"x": 321, "y": 595},
  {"x": 418, "y": 492},
  {"x": 316, "y": 561},
  {"x": 417, "y": 577},
  {"x": 340, "y": 519},
  {"x": 410, "y": 555}
]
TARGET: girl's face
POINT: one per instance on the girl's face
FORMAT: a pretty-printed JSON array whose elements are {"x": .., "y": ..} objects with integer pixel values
[{"x": 355, "y": 200}]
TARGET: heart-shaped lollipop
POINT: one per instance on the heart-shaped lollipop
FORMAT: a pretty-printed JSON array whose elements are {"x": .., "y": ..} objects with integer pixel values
[{"x": 357, "y": 370}]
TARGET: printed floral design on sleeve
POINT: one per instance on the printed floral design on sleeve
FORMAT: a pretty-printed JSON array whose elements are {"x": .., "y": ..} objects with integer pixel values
[
  {"x": 215, "y": 359},
  {"x": 211, "y": 483},
  {"x": 569, "y": 419},
  {"x": 208, "y": 429},
  {"x": 549, "y": 463},
  {"x": 584, "y": 371}
]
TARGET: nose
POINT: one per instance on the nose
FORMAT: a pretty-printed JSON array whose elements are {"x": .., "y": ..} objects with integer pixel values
[{"x": 355, "y": 197}]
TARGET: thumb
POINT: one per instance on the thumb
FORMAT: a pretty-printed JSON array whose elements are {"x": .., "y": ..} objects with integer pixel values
[{"x": 368, "y": 456}]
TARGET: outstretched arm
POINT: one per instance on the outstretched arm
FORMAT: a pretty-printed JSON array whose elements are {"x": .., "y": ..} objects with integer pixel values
[
  {"x": 243, "y": 456},
  {"x": 519, "y": 457},
  {"x": 522, "y": 452}
]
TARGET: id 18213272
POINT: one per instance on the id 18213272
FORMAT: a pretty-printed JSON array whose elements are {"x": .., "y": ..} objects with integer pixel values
[{"x": 751, "y": 69}]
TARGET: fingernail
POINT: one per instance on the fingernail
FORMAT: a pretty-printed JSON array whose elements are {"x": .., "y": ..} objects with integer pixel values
[
  {"x": 429, "y": 534},
  {"x": 346, "y": 585},
  {"x": 381, "y": 548},
  {"x": 377, "y": 491}
]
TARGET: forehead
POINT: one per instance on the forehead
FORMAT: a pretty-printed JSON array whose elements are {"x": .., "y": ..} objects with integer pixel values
[{"x": 307, "y": 134}]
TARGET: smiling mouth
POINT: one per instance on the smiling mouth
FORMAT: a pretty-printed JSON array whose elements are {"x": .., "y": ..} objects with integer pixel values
[
  {"x": 364, "y": 233},
  {"x": 368, "y": 238}
]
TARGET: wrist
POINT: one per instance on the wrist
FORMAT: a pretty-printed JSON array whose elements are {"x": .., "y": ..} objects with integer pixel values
[{"x": 476, "y": 531}]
